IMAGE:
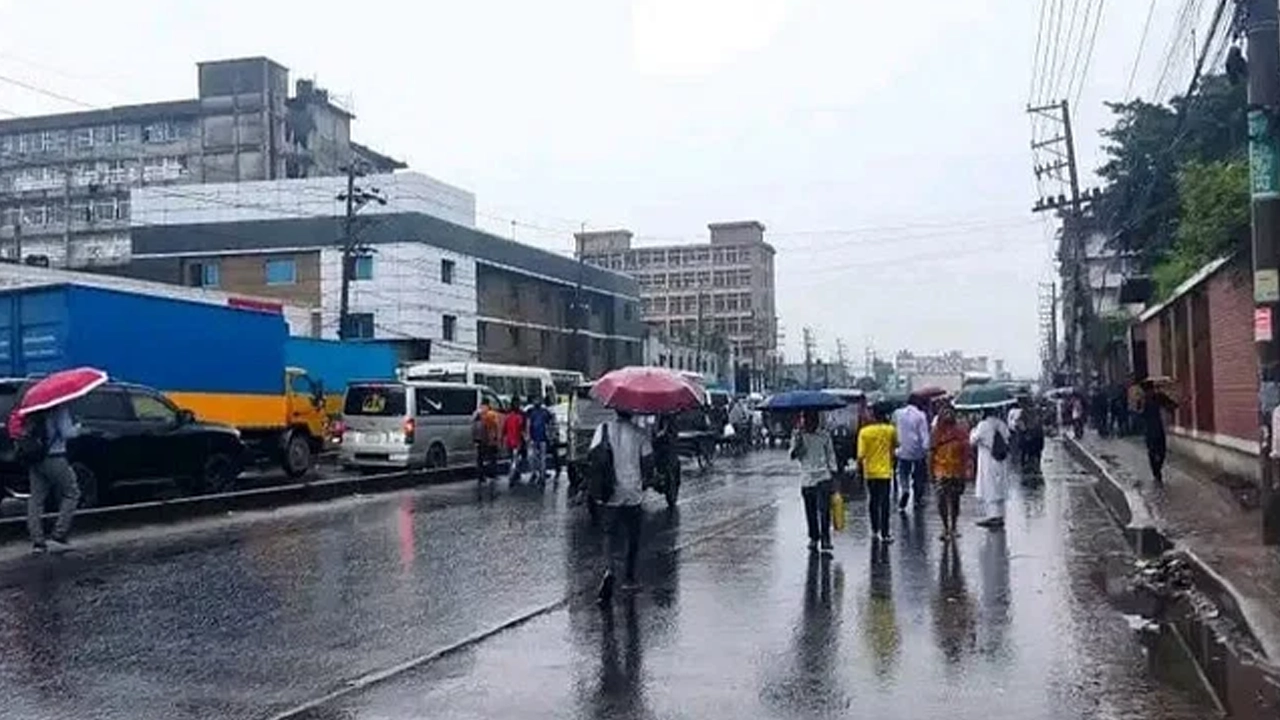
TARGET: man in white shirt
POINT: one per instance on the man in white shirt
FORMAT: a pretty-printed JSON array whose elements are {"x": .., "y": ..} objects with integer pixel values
[
  {"x": 632, "y": 462},
  {"x": 912, "y": 428}
]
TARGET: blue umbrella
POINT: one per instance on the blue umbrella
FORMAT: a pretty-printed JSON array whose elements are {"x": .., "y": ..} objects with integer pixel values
[{"x": 804, "y": 400}]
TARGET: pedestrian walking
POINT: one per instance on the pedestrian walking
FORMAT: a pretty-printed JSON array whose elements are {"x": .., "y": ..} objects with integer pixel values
[
  {"x": 540, "y": 424},
  {"x": 1154, "y": 404},
  {"x": 1077, "y": 416},
  {"x": 950, "y": 462},
  {"x": 50, "y": 471},
  {"x": 486, "y": 430},
  {"x": 911, "y": 426},
  {"x": 632, "y": 457},
  {"x": 1031, "y": 438},
  {"x": 877, "y": 440},
  {"x": 811, "y": 446},
  {"x": 991, "y": 439},
  {"x": 513, "y": 438}
]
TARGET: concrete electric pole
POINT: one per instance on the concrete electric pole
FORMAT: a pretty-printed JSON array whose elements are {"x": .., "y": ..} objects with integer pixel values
[
  {"x": 356, "y": 198},
  {"x": 1263, "y": 38},
  {"x": 808, "y": 358}
]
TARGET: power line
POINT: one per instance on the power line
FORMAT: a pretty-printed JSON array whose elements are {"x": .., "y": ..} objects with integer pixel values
[
  {"x": 45, "y": 92},
  {"x": 1088, "y": 58},
  {"x": 1137, "y": 59},
  {"x": 1037, "y": 64}
]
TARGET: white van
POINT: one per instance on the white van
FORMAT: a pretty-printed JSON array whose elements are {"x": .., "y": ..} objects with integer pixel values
[
  {"x": 507, "y": 381},
  {"x": 409, "y": 425}
]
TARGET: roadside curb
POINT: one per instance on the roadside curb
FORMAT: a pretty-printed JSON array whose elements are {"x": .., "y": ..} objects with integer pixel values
[
  {"x": 163, "y": 512},
  {"x": 1236, "y": 669}
]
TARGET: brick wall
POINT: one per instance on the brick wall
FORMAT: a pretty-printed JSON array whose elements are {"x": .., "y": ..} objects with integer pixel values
[{"x": 1235, "y": 379}]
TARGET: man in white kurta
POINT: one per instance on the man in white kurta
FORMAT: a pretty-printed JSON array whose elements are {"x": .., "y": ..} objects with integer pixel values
[{"x": 992, "y": 485}]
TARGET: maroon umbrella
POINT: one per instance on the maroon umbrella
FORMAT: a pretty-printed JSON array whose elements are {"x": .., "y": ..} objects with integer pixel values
[
  {"x": 929, "y": 392},
  {"x": 647, "y": 391},
  {"x": 60, "y": 387}
]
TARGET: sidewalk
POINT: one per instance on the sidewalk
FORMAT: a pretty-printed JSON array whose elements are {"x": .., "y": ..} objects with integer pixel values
[{"x": 1203, "y": 518}]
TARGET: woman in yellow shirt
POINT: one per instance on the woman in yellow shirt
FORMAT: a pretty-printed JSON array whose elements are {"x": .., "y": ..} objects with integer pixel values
[{"x": 876, "y": 443}]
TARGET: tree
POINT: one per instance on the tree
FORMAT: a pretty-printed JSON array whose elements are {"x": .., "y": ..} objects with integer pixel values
[
  {"x": 1213, "y": 220},
  {"x": 1148, "y": 146}
]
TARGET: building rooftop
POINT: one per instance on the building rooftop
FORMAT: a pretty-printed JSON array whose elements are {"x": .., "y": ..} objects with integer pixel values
[
  {"x": 103, "y": 116},
  {"x": 322, "y": 232}
]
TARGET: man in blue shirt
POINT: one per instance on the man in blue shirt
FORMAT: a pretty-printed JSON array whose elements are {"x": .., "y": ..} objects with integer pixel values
[
  {"x": 53, "y": 472},
  {"x": 539, "y": 422}
]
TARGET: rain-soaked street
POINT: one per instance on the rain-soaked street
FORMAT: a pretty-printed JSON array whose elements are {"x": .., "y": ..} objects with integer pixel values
[{"x": 390, "y": 606}]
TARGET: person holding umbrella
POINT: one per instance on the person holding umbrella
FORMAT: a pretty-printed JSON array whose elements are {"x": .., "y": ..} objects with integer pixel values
[
  {"x": 41, "y": 426},
  {"x": 811, "y": 445}
]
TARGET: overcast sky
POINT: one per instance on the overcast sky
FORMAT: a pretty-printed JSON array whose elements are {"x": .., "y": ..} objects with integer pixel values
[{"x": 884, "y": 144}]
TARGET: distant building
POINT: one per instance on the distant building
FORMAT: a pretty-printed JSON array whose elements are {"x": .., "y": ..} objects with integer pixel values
[
  {"x": 907, "y": 363},
  {"x": 661, "y": 352},
  {"x": 704, "y": 294},
  {"x": 65, "y": 179}
]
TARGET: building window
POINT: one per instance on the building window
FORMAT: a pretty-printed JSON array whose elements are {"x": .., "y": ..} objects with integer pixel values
[
  {"x": 104, "y": 210},
  {"x": 450, "y": 328},
  {"x": 481, "y": 334},
  {"x": 359, "y": 326},
  {"x": 362, "y": 268},
  {"x": 447, "y": 268},
  {"x": 515, "y": 334},
  {"x": 282, "y": 272},
  {"x": 204, "y": 274},
  {"x": 103, "y": 135},
  {"x": 544, "y": 340}
]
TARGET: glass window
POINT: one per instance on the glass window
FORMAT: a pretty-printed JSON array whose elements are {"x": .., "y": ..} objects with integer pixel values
[
  {"x": 82, "y": 137},
  {"x": 447, "y": 268},
  {"x": 445, "y": 401},
  {"x": 127, "y": 133},
  {"x": 204, "y": 274},
  {"x": 281, "y": 271},
  {"x": 363, "y": 269},
  {"x": 104, "y": 135},
  {"x": 33, "y": 215},
  {"x": 102, "y": 404},
  {"x": 376, "y": 400},
  {"x": 359, "y": 326},
  {"x": 104, "y": 210},
  {"x": 122, "y": 209},
  {"x": 450, "y": 327},
  {"x": 152, "y": 408}
]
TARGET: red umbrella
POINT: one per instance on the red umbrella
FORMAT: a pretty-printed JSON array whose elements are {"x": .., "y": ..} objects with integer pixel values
[
  {"x": 60, "y": 387},
  {"x": 646, "y": 391}
]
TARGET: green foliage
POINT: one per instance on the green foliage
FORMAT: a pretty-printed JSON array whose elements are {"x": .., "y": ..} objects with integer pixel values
[
  {"x": 1146, "y": 148},
  {"x": 1213, "y": 202}
]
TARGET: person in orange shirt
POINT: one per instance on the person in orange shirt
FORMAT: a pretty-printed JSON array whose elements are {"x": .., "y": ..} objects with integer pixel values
[{"x": 950, "y": 463}]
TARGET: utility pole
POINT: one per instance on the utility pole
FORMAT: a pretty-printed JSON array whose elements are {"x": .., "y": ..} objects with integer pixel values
[
  {"x": 808, "y": 358},
  {"x": 1076, "y": 305},
  {"x": 1263, "y": 38},
  {"x": 356, "y": 198}
]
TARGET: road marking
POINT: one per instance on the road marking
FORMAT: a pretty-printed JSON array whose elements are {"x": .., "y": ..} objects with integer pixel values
[{"x": 370, "y": 679}]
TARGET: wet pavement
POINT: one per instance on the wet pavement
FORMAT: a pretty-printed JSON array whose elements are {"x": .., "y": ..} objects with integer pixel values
[{"x": 387, "y": 607}]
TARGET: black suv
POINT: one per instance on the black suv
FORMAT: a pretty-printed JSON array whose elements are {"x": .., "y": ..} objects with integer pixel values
[{"x": 132, "y": 434}]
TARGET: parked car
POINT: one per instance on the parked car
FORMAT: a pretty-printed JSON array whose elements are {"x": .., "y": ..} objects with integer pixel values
[
  {"x": 131, "y": 435},
  {"x": 410, "y": 425}
]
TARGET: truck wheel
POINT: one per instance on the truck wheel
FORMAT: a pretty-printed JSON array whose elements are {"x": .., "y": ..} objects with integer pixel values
[
  {"x": 88, "y": 482},
  {"x": 436, "y": 458},
  {"x": 297, "y": 455},
  {"x": 219, "y": 474}
]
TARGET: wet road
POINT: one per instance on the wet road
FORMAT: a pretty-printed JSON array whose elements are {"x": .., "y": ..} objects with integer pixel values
[{"x": 386, "y": 607}]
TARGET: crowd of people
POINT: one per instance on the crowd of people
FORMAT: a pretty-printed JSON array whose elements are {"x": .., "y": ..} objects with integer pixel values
[{"x": 900, "y": 452}]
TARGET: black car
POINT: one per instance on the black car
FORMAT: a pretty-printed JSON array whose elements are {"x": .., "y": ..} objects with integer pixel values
[{"x": 129, "y": 435}]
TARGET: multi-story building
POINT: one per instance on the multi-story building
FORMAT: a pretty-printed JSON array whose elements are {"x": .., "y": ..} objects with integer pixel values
[
  {"x": 718, "y": 294},
  {"x": 470, "y": 294},
  {"x": 65, "y": 179}
]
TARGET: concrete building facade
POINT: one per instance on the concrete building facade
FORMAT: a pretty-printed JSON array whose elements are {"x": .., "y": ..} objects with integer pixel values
[
  {"x": 718, "y": 295},
  {"x": 65, "y": 179}
]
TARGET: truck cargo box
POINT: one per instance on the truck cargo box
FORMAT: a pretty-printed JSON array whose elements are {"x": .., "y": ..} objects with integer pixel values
[
  {"x": 224, "y": 364},
  {"x": 334, "y": 362}
]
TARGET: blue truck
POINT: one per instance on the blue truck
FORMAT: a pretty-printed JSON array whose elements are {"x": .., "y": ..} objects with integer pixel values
[{"x": 231, "y": 365}]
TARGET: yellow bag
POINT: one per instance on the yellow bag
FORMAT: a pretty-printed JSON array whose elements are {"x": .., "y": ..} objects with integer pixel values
[{"x": 837, "y": 511}]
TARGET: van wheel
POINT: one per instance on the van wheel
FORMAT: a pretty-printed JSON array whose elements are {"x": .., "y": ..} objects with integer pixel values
[
  {"x": 297, "y": 455},
  {"x": 88, "y": 482},
  {"x": 436, "y": 458},
  {"x": 219, "y": 474}
]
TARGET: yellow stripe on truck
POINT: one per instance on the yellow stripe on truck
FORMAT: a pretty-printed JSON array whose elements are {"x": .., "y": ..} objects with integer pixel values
[{"x": 242, "y": 411}]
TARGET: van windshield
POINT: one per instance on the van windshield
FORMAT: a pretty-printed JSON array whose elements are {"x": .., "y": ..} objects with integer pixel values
[{"x": 375, "y": 400}]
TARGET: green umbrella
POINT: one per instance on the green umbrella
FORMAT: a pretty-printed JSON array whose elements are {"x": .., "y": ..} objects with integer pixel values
[{"x": 982, "y": 397}]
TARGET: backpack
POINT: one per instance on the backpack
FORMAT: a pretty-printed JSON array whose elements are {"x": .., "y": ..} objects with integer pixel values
[
  {"x": 999, "y": 446},
  {"x": 27, "y": 433},
  {"x": 601, "y": 477}
]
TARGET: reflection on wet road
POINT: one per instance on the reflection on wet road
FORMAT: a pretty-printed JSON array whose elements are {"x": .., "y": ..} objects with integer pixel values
[{"x": 737, "y": 619}]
